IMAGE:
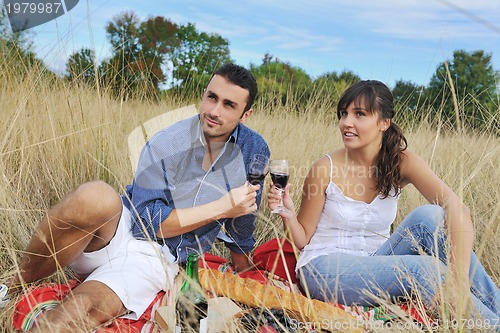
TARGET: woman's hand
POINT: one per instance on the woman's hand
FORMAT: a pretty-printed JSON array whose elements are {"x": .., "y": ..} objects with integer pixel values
[
  {"x": 301, "y": 226},
  {"x": 273, "y": 198}
]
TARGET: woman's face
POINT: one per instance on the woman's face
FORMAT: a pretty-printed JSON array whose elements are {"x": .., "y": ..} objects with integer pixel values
[{"x": 360, "y": 128}]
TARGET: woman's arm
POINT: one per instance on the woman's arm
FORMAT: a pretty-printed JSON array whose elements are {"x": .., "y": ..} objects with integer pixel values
[
  {"x": 302, "y": 226},
  {"x": 458, "y": 221}
]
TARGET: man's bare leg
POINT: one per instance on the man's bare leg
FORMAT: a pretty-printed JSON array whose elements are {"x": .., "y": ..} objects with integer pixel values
[
  {"x": 89, "y": 305},
  {"x": 85, "y": 220}
]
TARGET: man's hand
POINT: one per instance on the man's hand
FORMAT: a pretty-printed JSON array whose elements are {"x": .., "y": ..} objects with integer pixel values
[
  {"x": 239, "y": 201},
  {"x": 241, "y": 262}
]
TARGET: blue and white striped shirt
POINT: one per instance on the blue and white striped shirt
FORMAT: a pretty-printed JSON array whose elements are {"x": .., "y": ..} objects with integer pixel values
[{"x": 170, "y": 175}]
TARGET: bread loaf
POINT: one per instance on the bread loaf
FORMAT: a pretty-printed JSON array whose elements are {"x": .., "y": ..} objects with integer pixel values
[{"x": 254, "y": 294}]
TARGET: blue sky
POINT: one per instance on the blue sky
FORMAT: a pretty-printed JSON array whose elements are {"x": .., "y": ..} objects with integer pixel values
[{"x": 386, "y": 40}]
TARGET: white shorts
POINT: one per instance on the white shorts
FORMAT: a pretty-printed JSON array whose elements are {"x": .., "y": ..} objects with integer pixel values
[{"x": 136, "y": 270}]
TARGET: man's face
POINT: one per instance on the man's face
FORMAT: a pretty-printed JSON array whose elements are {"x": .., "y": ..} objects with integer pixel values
[{"x": 222, "y": 108}]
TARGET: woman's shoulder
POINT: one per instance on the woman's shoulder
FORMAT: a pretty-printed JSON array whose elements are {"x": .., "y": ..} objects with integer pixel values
[
  {"x": 408, "y": 157},
  {"x": 322, "y": 161},
  {"x": 411, "y": 164},
  {"x": 338, "y": 156},
  {"x": 330, "y": 158},
  {"x": 323, "y": 166}
]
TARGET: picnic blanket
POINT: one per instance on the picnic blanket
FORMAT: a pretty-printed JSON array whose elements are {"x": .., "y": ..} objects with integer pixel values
[{"x": 274, "y": 259}]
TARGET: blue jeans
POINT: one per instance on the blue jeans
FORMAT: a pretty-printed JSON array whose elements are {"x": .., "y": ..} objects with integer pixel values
[{"x": 410, "y": 263}]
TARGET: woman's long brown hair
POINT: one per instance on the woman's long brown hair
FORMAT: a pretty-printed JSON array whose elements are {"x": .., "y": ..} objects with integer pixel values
[{"x": 378, "y": 98}]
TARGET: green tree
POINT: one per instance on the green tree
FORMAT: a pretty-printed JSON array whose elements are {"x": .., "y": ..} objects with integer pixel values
[
  {"x": 473, "y": 82},
  {"x": 346, "y": 76},
  {"x": 9, "y": 38},
  {"x": 280, "y": 83},
  {"x": 81, "y": 66},
  {"x": 267, "y": 58},
  {"x": 197, "y": 57},
  {"x": 408, "y": 96},
  {"x": 123, "y": 34},
  {"x": 141, "y": 51},
  {"x": 121, "y": 74},
  {"x": 17, "y": 58},
  {"x": 157, "y": 39},
  {"x": 330, "y": 86}
]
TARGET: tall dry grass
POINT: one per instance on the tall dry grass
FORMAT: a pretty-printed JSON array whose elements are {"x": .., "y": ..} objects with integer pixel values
[{"x": 55, "y": 136}]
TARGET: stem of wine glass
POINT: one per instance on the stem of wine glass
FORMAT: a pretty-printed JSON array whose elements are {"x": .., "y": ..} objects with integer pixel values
[{"x": 280, "y": 203}]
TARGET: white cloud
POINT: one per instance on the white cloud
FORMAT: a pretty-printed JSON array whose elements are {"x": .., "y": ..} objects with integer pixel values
[
  {"x": 411, "y": 19},
  {"x": 431, "y": 19}
]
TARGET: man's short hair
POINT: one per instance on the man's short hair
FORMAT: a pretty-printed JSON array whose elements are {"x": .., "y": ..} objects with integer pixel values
[{"x": 241, "y": 77}]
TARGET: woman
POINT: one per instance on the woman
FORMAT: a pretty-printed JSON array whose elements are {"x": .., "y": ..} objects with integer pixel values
[{"x": 349, "y": 203}]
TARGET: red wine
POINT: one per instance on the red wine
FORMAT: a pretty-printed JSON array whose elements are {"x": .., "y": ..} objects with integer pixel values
[
  {"x": 255, "y": 178},
  {"x": 279, "y": 179}
]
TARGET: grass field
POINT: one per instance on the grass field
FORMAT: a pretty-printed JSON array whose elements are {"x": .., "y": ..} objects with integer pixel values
[{"x": 54, "y": 137}]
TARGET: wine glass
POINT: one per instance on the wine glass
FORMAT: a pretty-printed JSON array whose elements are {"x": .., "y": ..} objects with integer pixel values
[
  {"x": 258, "y": 169},
  {"x": 279, "y": 175}
]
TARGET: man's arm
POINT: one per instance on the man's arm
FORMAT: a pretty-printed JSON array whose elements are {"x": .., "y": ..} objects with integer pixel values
[{"x": 237, "y": 202}]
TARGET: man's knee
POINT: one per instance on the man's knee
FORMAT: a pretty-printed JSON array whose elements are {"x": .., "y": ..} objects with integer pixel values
[{"x": 92, "y": 204}]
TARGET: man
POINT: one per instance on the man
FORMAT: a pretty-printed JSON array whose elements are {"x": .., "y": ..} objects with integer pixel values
[{"x": 191, "y": 180}]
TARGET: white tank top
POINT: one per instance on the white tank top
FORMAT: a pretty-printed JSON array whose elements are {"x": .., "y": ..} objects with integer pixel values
[{"x": 350, "y": 226}]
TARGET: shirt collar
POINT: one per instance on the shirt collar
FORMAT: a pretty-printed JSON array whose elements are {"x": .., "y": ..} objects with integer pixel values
[{"x": 232, "y": 138}]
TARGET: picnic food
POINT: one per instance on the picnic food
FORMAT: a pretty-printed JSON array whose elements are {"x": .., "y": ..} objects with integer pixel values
[{"x": 255, "y": 294}]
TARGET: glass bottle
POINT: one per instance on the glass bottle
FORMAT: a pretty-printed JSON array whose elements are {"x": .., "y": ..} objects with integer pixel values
[{"x": 191, "y": 304}]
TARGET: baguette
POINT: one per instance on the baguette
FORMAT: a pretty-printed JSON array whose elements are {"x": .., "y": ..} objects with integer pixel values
[{"x": 254, "y": 294}]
